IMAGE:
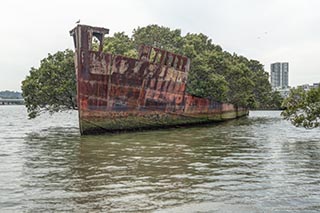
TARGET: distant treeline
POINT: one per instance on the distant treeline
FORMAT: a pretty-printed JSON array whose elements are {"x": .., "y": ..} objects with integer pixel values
[{"x": 10, "y": 94}]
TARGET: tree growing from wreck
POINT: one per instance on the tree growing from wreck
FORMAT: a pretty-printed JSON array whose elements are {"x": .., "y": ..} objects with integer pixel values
[
  {"x": 214, "y": 73},
  {"x": 52, "y": 86}
]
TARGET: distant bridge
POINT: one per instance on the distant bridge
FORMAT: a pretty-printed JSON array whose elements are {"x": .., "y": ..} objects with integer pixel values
[{"x": 11, "y": 101}]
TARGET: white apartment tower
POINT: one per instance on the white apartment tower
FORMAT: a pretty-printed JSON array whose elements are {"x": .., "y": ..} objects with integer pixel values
[{"x": 280, "y": 75}]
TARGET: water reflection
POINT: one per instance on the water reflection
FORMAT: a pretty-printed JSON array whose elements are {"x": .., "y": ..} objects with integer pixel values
[
  {"x": 255, "y": 164},
  {"x": 154, "y": 168}
]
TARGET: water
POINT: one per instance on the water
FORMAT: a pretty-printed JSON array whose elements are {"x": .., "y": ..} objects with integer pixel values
[{"x": 255, "y": 164}]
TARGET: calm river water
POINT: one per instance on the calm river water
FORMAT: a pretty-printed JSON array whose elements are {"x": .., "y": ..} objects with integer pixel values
[{"x": 255, "y": 164}]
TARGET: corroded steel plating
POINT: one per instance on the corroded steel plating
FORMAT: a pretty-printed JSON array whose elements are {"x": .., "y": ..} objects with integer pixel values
[{"x": 118, "y": 93}]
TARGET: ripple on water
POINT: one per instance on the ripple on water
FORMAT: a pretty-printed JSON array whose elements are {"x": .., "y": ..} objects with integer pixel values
[{"x": 255, "y": 164}]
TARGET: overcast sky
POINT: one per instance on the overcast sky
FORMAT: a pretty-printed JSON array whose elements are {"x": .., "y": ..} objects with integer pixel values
[{"x": 268, "y": 31}]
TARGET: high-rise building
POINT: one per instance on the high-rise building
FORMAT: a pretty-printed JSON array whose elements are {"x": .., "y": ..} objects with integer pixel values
[{"x": 280, "y": 75}]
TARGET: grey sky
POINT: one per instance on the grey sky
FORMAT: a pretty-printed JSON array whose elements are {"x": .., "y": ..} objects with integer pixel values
[{"x": 268, "y": 31}]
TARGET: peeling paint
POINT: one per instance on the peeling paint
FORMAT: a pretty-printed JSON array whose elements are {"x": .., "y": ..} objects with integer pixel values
[{"x": 118, "y": 93}]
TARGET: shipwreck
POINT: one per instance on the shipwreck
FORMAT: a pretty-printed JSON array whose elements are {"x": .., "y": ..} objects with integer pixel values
[{"x": 117, "y": 93}]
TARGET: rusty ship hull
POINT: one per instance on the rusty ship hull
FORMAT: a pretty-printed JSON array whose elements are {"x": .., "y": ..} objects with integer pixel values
[{"x": 117, "y": 93}]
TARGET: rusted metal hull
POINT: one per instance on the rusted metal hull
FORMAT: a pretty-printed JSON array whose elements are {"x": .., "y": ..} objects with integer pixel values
[{"x": 116, "y": 93}]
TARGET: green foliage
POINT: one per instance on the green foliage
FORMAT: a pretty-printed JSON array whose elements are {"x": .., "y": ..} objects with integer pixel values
[
  {"x": 276, "y": 101},
  {"x": 245, "y": 81},
  {"x": 262, "y": 90},
  {"x": 120, "y": 44},
  {"x": 52, "y": 86},
  {"x": 215, "y": 87},
  {"x": 158, "y": 36},
  {"x": 302, "y": 108}
]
